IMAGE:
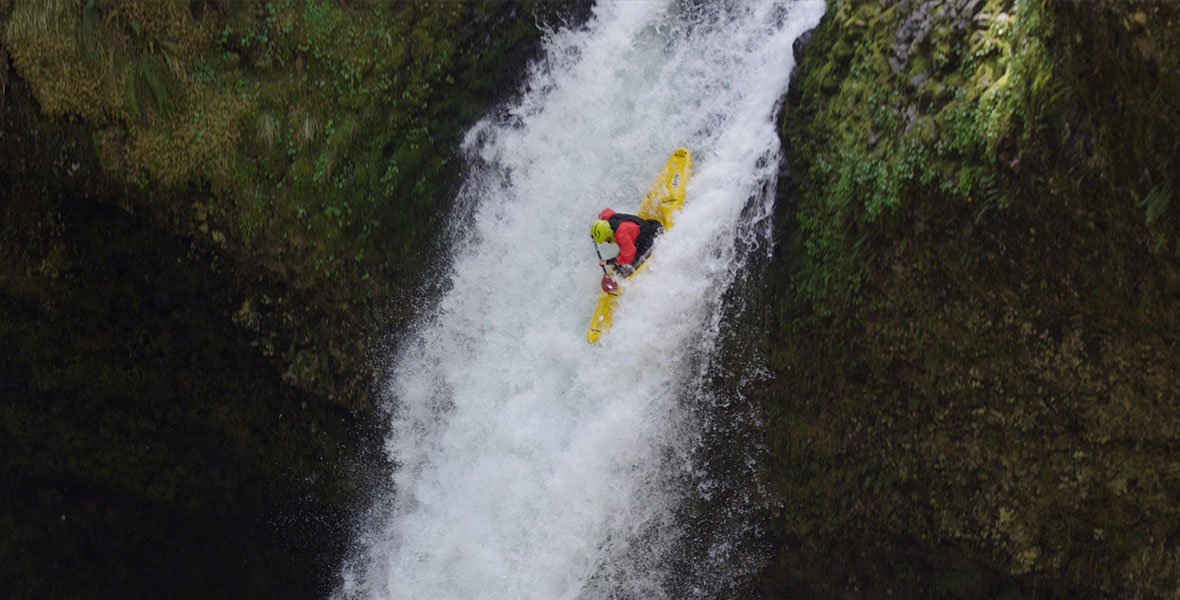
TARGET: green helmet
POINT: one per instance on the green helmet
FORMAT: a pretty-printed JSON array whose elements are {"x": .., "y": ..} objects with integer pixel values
[{"x": 601, "y": 231}]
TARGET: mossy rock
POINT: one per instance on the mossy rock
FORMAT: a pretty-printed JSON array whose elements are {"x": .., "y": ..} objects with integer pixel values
[
  {"x": 195, "y": 204},
  {"x": 970, "y": 303}
]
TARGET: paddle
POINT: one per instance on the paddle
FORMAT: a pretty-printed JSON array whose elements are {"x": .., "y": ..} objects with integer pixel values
[{"x": 609, "y": 285}]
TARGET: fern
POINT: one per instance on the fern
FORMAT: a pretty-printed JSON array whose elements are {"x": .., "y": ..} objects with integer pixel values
[
  {"x": 1156, "y": 202},
  {"x": 990, "y": 190},
  {"x": 159, "y": 81},
  {"x": 88, "y": 38},
  {"x": 148, "y": 78},
  {"x": 130, "y": 95}
]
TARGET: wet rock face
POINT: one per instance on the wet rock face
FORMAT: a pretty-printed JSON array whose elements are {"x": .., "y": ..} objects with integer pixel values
[
  {"x": 956, "y": 16},
  {"x": 136, "y": 418},
  {"x": 195, "y": 206},
  {"x": 978, "y": 255}
]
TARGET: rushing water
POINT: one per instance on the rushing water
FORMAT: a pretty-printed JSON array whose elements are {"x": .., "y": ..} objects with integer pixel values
[{"x": 531, "y": 464}]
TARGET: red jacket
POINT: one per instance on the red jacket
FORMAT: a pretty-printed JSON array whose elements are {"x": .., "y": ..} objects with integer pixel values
[{"x": 625, "y": 237}]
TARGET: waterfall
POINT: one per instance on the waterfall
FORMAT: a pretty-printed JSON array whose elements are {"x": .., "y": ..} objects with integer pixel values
[{"x": 531, "y": 464}]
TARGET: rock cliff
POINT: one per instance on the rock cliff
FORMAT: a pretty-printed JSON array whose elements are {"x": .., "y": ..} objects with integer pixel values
[{"x": 974, "y": 329}]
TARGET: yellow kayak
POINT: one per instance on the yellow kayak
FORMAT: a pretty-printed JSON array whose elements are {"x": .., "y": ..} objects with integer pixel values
[{"x": 661, "y": 202}]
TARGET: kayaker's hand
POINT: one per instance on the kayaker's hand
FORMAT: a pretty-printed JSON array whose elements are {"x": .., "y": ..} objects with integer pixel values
[{"x": 602, "y": 262}]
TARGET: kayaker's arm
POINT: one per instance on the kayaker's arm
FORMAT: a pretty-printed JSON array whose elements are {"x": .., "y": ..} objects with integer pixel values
[{"x": 625, "y": 238}]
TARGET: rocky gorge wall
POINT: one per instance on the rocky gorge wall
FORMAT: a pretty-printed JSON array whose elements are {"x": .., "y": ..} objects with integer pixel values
[
  {"x": 973, "y": 328},
  {"x": 214, "y": 218},
  {"x": 213, "y": 212}
]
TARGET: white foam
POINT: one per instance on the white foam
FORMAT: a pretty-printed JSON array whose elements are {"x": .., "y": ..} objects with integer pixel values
[{"x": 533, "y": 465}]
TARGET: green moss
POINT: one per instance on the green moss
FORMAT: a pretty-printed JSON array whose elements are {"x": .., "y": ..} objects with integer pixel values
[
  {"x": 974, "y": 270},
  {"x": 919, "y": 140},
  {"x": 197, "y": 202},
  {"x": 319, "y": 129}
]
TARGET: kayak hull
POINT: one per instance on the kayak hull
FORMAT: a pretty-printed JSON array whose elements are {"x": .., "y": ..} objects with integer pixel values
[{"x": 661, "y": 202}]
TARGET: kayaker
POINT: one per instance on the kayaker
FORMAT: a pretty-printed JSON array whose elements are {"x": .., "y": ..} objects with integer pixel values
[{"x": 633, "y": 235}]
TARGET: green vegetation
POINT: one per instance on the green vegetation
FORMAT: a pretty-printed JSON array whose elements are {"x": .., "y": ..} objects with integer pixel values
[
  {"x": 973, "y": 316},
  {"x": 208, "y": 208},
  {"x": 210, "y": 213},
  {"x": 977, "y": 101},
  {"x": 315, "y": 138}
]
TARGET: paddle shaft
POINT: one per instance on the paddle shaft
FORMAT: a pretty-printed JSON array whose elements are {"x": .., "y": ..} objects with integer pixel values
[
  {"x": 600, "y": 260},
  {"x": 608, "y": 283}
]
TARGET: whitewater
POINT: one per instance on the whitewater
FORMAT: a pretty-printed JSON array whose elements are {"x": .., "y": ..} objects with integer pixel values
[{"x": 529, "y": 463}]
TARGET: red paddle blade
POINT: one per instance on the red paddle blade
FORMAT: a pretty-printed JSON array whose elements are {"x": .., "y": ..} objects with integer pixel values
[{"x": 609, "y": 285}]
